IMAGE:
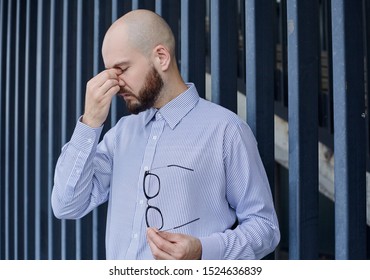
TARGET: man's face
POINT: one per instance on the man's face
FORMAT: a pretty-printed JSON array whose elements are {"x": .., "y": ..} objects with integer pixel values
[
  {"x": 140, "y": 83},
  {"x": 147, "y": 95}
]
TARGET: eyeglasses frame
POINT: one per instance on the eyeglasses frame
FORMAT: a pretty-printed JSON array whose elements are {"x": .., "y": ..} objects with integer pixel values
[{"x": 146, "y": 174}]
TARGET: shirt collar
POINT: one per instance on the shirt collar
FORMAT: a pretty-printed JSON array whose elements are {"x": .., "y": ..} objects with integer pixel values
[
  {"x": 149, "y": 115},
  {"x": 175, "y": 110}
]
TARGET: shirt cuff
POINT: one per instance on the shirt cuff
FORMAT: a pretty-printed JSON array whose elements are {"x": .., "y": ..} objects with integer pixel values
[
  {"x": 212, "y": 248},
  {"x": 84, "y": 137}
]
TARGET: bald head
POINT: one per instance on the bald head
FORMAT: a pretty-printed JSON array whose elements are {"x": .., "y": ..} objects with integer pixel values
[
  {"x": 142, "y": 45},
  {"x": 144, "y": 30}
]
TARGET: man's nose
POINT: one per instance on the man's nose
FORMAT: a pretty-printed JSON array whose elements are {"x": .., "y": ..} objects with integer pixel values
[{"x": 121, "y": 81}]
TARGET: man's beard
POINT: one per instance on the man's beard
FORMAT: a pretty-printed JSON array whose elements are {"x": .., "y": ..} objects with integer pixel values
[{"x": 148, "y": 94}]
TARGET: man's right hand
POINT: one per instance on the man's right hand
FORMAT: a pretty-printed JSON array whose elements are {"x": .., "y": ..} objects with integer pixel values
[{"x": 99, "y": 93}]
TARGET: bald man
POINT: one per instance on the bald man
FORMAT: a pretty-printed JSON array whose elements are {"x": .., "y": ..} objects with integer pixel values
[{"x": 182, "y": 176}]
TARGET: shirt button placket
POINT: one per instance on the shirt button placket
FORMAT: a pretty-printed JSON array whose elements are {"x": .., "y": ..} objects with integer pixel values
[{"x": 155, "y": 133}]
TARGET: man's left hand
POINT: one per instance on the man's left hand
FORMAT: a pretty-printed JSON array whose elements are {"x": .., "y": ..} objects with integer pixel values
[{"x": 173, "y": 246}]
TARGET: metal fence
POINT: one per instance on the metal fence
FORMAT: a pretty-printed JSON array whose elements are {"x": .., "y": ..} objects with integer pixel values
[{"x": 278, "y": 53}]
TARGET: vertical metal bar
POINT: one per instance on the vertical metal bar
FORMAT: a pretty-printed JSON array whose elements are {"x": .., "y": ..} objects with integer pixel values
[
  {"x": 303, "y": 88},
  {"x": 7, "y": 133},
  {"x": 114, "y": 14},
  {"x": 78, "y": 95},
  {"x": 349, "y": 129},
  {"x": 51, "y": 128},
  {"x": 224, "y": 53},
  {"x": 64, "y": 111},
  {"x": 161, "y": 7},
  {"x": 135, "y": 4},
  {"x": 38, "y": 131},
  {"x": 26, "y": 130},
  {"x": 16, "y": 127},
  {"x": 1, "y": 119},
  {"x": 79, "y": 51},
  {"x": 260, "y": 61},
  {"x": 193, "y": 43}
]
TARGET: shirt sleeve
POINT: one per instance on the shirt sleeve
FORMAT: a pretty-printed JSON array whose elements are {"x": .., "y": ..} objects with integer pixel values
[
  {"x": 248, "y": 192},
  {"x": 82, "y": 173}
]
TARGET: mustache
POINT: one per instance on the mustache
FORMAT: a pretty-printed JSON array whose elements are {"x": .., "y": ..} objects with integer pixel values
[{"x": 125, "y": 91}]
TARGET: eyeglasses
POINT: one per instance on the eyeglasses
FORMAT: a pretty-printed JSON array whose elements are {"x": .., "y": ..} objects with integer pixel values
[{"x": 152, "y": 187}]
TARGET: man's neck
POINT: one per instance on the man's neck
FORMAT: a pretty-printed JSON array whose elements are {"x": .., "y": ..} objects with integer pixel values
[{"x": 170, "y": 91}]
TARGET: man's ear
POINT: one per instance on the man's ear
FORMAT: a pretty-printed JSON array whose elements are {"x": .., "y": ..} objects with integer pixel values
[{"x": 162, "y": 57}]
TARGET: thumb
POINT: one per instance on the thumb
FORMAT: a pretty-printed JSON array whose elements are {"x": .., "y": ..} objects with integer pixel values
[{"x": 172, "y": 237}]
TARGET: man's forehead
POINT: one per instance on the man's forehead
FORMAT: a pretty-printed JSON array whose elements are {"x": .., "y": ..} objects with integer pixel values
[
  {"x": 116, "y": 35},
  {"x": 116, "y": 50}
]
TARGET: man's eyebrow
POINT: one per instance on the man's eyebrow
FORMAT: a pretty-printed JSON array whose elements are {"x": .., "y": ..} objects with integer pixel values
[{"x": 120, "y": 64}]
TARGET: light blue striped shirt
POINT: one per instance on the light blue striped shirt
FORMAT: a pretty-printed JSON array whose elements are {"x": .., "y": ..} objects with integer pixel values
[{"x": 228, "y": 183}]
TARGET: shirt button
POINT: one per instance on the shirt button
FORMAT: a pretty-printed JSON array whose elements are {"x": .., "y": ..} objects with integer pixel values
[
  {"x": 89, "y": 141},
  {"x": 78, "y": 171},
  {"x": 154, "y": 137},
  {"x": 134, "y": 236},
  {"x": 146, "y": 168},
  {"x": 141, "y": 202}
]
